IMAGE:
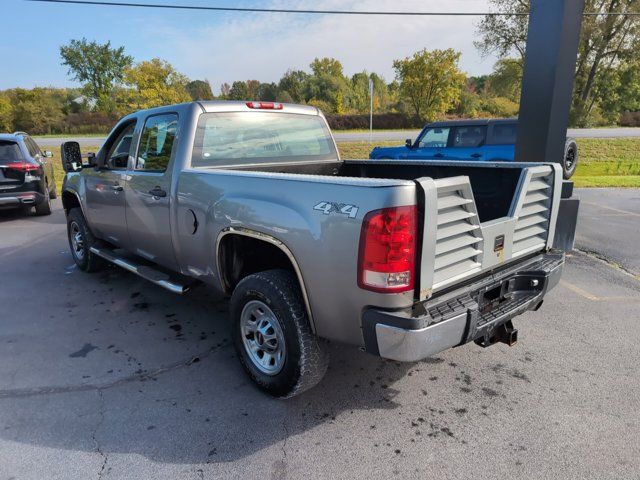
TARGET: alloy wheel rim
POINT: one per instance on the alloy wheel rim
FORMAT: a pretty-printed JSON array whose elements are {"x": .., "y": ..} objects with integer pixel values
[
  {"x": 570, "y": 158},
  {"x": 262, "y": 337},
  {"x": 77, "y": 242}
]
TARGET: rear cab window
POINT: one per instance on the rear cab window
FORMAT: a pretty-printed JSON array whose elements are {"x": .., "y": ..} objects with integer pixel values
[{"x": 246, "y": 138}]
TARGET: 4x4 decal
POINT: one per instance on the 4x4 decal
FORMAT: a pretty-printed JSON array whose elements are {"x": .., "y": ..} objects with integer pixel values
[{"x": 341, "y": 208}]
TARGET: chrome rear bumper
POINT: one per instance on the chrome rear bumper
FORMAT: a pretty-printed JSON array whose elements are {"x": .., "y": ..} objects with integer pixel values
[{"x": 472, "y": 312}]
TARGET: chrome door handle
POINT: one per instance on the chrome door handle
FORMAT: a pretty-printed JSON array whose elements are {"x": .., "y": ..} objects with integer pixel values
[{"x": 158, "y": 192}]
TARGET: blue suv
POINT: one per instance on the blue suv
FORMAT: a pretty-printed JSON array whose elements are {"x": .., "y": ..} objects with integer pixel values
[{"x": 469, "y": 140}]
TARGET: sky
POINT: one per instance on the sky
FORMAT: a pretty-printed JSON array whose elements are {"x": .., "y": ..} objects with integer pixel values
[{"x": 223, "y": 47}]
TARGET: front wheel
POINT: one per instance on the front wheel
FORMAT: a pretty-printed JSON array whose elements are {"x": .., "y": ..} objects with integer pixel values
[
  {"x": 570, "y": 160},
  {"x": 272, "y": 335},
  {"x": 80, "y": 241}
]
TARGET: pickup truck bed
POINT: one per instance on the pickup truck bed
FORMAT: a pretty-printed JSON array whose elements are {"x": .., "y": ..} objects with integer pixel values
[{"x": 403, "y": 259}]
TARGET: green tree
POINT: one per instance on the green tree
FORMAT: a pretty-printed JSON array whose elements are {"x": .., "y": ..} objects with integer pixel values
[
  {"x": 430, "y": 82},
  {"x": 268, "y": 92},
  {"x": 327, "y": 66},
  {"x": 98, "y": 66},
  {"x": 327, "y": 84},
  {"x": 607, "y": 41},
  {"x": 506, "y": 79},
  {"x": 6, "y": 114},
  {"x": 153, "y": 83},
  {"x": 238, "y": 91},
  {"x": 199, "y": 90},
  {"x": 37, "y": 111},
  {"x": 294, "y": 83}
]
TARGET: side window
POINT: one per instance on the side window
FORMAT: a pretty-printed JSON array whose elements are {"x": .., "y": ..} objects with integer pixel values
[
  {"x": 434, "y": 138},
  {"x": 156, "y": 142},
  {"x": 31, "y": 147},
  {"x": 118, "y": 154},
  {"x": 471, "y": 136},
  {"x": 504, "y": 134}
]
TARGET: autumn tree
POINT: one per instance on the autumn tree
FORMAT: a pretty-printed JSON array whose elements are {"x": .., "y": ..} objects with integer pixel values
[
  {"x": 98, "y": 66},
  {"x": 154, "y": 83},
  {"x": 6, "y": 114},
  {"x": 430, "y": 82}
]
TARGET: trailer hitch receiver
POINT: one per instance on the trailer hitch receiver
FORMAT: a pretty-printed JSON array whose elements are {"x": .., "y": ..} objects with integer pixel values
[{"x": 504, "y": 333}]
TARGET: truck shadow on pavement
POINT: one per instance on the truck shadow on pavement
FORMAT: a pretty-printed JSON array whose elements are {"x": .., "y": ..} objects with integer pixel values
[{"x": 135, "y": 370}]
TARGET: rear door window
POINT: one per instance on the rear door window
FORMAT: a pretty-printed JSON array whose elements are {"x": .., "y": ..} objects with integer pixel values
[
  {"x": 469, "y": 136},
  {"x": 156, "y": 142},
  {"x": 9, "y": 153},
  {"x": 504, "y": 134}
]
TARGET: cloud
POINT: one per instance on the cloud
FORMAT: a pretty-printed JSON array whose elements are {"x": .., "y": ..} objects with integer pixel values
[{"x": 264, "y": 46}]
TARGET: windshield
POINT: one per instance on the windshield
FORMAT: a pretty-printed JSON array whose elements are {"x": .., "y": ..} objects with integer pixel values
[
  {"x": 243, "y": 138},
  {"x": 9, "y": 152}
]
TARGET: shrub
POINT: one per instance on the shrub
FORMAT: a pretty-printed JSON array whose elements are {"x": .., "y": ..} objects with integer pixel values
[
  {"x": 385, "y": 121},
  {"x": 630, "y": 119}
]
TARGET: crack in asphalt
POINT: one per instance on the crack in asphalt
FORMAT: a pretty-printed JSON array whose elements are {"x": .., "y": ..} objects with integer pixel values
[
  {"x": 37, "y": 391},
  {"x": 609, "y": 262},
  {"x": 95, "y": 433}
]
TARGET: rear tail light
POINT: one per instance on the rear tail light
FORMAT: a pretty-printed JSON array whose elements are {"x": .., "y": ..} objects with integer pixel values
[
  {"x": 23, "y": 167},
  {"x": 387, "y": 257},
  {"x": 265, "y": 105}
]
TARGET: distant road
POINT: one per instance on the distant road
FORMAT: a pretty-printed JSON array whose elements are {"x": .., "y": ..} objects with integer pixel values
[
  {"x": 381, "y": 136},
  {"x": 401, "y": 136}
]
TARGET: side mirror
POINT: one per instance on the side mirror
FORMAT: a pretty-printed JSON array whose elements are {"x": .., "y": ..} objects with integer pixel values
[
  {"x": 71, "y": 156},
  {"x": 408, "y": 143},
  {"x": 48, "y": 154}
]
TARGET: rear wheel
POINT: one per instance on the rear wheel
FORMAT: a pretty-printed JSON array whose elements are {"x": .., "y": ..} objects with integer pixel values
[
  {"x": 80, "y": 241},
  {"x": 272, "y": 335},
  {"x": 53, "y": 193},
  {"x": 44, "y": 208},
  {"x": 570, "y": 160}
]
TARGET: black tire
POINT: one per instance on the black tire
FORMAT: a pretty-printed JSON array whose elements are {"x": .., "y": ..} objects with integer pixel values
[
  {"x": 305, "y": 360},
  {"x": 53, "y": 194},
  {"x": 44, "y": 208},
  {"x": 570, "y": 160},
  {"x": 86, "y": 261}
]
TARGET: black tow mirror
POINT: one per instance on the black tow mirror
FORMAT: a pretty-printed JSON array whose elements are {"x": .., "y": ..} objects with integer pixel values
[
  {"x": 408, "y": 143},
  {"x": 71, "y": 157}
]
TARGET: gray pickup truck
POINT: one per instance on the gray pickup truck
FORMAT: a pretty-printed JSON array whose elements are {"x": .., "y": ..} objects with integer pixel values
[{"x": 402, "y": 259}]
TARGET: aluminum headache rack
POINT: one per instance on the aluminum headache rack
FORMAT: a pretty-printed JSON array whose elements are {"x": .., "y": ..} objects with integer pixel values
[{"x": 463, "y": 246}]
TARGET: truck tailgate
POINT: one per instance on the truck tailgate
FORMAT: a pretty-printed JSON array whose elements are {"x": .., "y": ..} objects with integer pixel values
[{"x": 457, "y": 245}]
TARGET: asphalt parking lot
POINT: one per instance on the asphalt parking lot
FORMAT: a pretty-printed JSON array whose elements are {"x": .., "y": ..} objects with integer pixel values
[{"x": 107, "y": 376}]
